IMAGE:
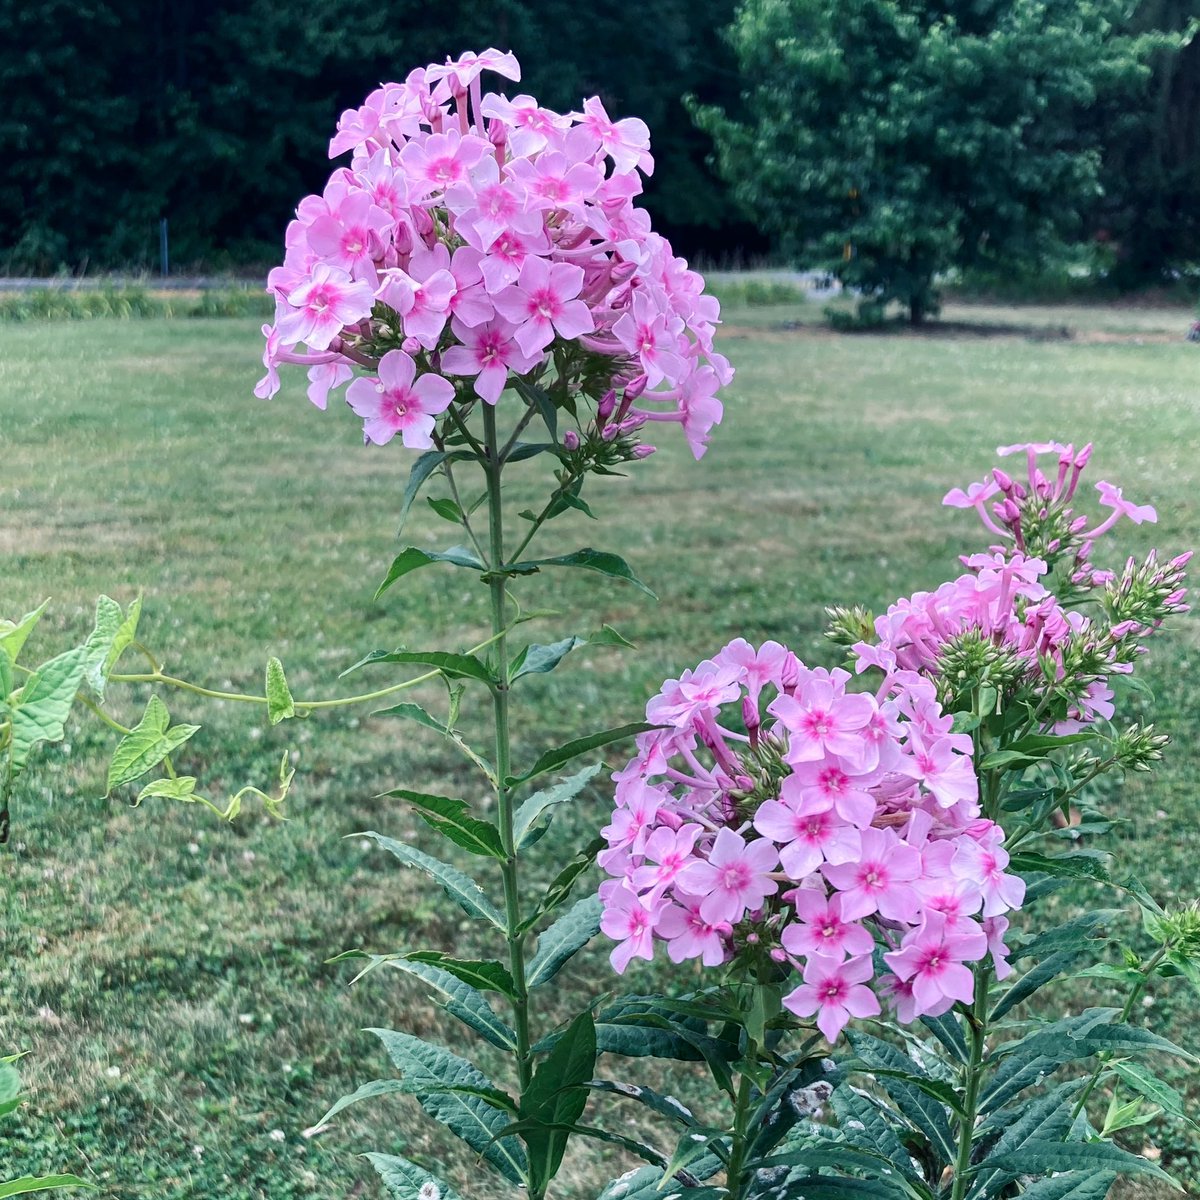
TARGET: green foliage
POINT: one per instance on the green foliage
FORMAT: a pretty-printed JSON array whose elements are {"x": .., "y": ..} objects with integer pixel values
[
  {"x": 10, "y": 1099},
  {"x": 127, "y": 303},
  {"x": 890, "y": 140}
]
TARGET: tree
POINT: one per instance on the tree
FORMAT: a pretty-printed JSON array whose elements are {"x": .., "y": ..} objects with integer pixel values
[{"x": 891, "y": 140}]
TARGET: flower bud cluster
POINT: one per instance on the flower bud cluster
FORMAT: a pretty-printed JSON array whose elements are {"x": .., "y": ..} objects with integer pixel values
[
  {"x": 482, "y": 238},
  {"x": 777, "y": 818}
]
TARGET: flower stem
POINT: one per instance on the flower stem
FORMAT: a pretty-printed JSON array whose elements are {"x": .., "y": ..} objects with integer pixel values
[
  {"x": 1134, "y": 995},
  {"x": 977, "y": 1021},
  {"x": 493, "y": 468},
  {"x": 740, "y": 1142}
]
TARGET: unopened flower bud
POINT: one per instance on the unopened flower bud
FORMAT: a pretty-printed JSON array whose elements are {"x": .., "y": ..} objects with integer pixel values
[
  {"x": 410, "y": 345},
  {"x": 642, "y": 450},
  {"x": 635, "y": 388},
  {"x": 607, "y": 405},
  {"x": 610, "y": 433},
  {"x": 571, "y": 440}
]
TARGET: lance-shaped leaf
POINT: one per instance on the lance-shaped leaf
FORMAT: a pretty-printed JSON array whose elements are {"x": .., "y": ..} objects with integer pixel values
[
  {"x": 1072, "y": 1185},
  {"x": 665, "y": 1106},
  {"x": 533, "y": 817},
  {"x": 1071, "y": 935},
  {"x": 1079, "y": 864},
  {"x": 592, "y": 560},
  {"x": 404, "y": 1180},
  {"x": 556, "y": 1098},
  {"x": 571, "y": 750},
  {"x": 280, "y": 705},
  {"x": 453, "y": 819},
  {"x": 1049, "y": 968},
  {"x": 46, "y": 699},
  {"x": 453, "y": 666},
  {"x": 864, "y": 1125},
  {"x": 564, "y": 882},
  {"x": 462, "y": 1000},
  {"x": 100, "y": 642},
  {"x": 1045, "y": 1118},
  {"x": 922, "y": 1101},
  {"x": 422, "y": 468},
  {"x": 1154, "y": 1089},
  {"x": 474, "y": 1119},
  {"x": 412, "y": 559},
  {"x": 14, "y": 636},
  {"x": 463, "y": 890},
  {"x": 1042, "y": 1157},
  {"x": 565, "y": 938},
  {"x": 485, "y": 974},
  {"x": 41, "y": 1183},
  {"x": 147, "y": 744}
]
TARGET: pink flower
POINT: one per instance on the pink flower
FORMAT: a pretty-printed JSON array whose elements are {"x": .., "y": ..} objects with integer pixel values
[
  {"x": 982, "y": 864},
  {"x": 440, "y": 161},
  {"x": 931, "y": 958},
  {"x": 736, "y": 877},
  {"x": 880, "y": 879},
  {"x": 323, "y": 378},
  {"x": 627, "y": 141},
  {"x": 807, "y": 836},
  {"x": 629, "y": 921},
  {"x": 543, "y": 302},
  {"x": 689, "y": 935},
  {"x": 322, "y": 307},
  {"x": 823, "y": 722},
  {"x": 395, "y": 404},
  {"x": 835, "y": 991},
  {"x": 823, "y": 928},
  {"x": 488, "y": 353}
]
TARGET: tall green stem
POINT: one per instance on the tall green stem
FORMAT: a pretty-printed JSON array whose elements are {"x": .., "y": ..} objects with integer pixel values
[
  {"x": 977, "y": 1022},
  {"x": 494, "y": 466}
]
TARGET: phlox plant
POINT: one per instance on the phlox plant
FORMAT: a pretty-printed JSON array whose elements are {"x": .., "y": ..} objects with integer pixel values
[{"x": 852, "y": 845}]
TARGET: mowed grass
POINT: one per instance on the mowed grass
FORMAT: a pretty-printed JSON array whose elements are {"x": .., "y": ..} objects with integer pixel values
[{"x": 167, "y": 974}]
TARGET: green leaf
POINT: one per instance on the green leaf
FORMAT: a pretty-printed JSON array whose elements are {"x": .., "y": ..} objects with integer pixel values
[
  {"x": 1044, "y": 1118},
  {"x": 453, "y": 666},
  {"x": 523, "y": 450},
  {"x": 564, "y": 882},
  {"x": 412, "y": 559},
  {"x": 367, "y": 1091},
  {"x": 557, "y": 1096},
  {"x": 453, "y": 819},
  {"x": 125, "y": 638},
  {"x": 46, "y": 699},
  {"x": 1154, "y": 1089},
  {"x": 948, "y": 1030},
  {"x": 421, "y": 470},
  {"x": 921, "y": 1100},
  {"x": 533, "y": 817},
  {"x": 565, "y": 938},
  {"x": 13, "y": 637},
  {"x": 181, "y": 788},
  {"x": 606, "y": 635},
  {"x": 538, "y": 660},
  {"x": 469, "y": 1116},
  {"x": 593, "y": 560},
  {"x": 1072, "y": 935},
  {"x": 538, "y": 398},
  {"x": 146, "y": 745},
  {"x": 1079, "y": 864},
  {"x": 404, "y": 1180},
  {"x": 99, "y": 644},
  {"x": 484, "y": 974},
  {"x": 1049, "y": 968},
  {"x": 43, "y": 1183},
  {"x": 665, "y": 1106},
  {"x": 694, "y": 1145},
  {"x": 463, "y": 890},
  {"x": 1072, "y": 1185},
  {"x": 1042, "y": 744},
  {"x": 414, "y": 712},
  {"x": 446, "y": 509},
  {"x": 870, "y": 1129},
  {"x": 6, "y": 680},
  {"x": 565, "y": 753},
  {"x": 1041, "y": 1157},
  {"x": 463, "y": 1001},
  {"x": 280, "y": 705}
]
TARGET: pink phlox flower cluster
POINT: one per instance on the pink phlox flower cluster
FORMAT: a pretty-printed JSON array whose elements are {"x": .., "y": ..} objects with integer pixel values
[
  {"x": 1001, "y": 602},
  {"x": 474, "y": 232},
  {"x": 1036, "y": 516},
  {"x": 776, "y": 816}
]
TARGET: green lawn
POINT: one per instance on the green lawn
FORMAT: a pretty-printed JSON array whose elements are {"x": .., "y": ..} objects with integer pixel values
[{"x": 167, "y": 974}]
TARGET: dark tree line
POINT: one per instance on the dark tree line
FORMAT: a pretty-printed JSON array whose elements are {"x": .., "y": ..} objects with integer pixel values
[{"x": 216, "y": 114}]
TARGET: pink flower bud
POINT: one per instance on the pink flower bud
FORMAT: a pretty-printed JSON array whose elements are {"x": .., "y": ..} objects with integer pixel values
[
  {"x": 634, "y": 389},
  {"x": 610, "y": 433},
  {"x": 410, "y": 346},
  {"x": 571, "y": 440},
  {"x": 641, "y": 450},
  {"x": 608, "y": 402},
  {"x": 779, "y": 954}
]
